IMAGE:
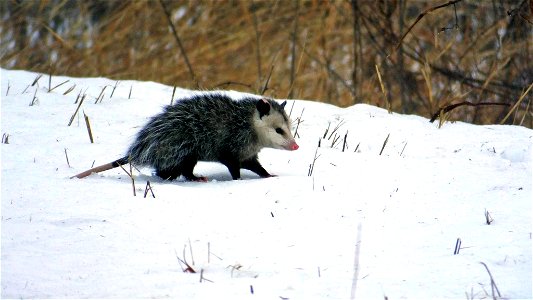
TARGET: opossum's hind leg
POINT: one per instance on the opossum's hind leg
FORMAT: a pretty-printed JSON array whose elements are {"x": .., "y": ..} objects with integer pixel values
[
  {"x": 187, "y": 167},
  {"x": 254, "y": 166},
  {"x": 168, "y": 174}
]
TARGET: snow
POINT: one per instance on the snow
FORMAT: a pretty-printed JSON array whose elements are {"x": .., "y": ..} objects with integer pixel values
[{"x": 363, "y": 225}]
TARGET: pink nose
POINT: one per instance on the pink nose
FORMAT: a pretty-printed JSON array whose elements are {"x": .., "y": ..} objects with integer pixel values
[{"x": 294, "y": 146}]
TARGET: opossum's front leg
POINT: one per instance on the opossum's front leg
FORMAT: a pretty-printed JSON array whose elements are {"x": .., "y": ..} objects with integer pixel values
[{"x": 253, "y": 165}]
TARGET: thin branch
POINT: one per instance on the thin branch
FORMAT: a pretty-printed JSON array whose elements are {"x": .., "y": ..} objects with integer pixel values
[
  {"x": 182, "y": 49},
  {"x": 423, "y": 14},
  {"x": 450, "y": 107}
]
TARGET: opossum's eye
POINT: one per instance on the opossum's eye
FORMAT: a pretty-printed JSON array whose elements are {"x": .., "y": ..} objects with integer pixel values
[{"x": 279, "y": 131}]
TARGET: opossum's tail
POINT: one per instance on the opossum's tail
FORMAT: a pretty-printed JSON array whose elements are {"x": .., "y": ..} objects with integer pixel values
[{"x": 108, "y": 166}]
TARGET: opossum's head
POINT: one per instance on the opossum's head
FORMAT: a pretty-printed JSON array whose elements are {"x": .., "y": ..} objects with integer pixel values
[{"x": 272, "y": 125}]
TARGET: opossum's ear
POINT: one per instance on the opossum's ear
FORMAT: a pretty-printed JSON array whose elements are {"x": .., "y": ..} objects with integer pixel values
[
  {"x": 283, "y": 104},
  {"x": 263, "y": 107}
]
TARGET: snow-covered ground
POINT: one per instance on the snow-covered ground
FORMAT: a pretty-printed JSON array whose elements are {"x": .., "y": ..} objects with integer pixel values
[{"x": 363, "y": 225}]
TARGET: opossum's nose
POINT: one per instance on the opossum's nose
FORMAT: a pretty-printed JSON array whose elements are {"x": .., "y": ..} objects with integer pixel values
[{"x": 293, "y": 146}]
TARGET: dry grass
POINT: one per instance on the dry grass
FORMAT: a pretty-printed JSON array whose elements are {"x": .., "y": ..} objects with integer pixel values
[{"x": 478, "y": 51}]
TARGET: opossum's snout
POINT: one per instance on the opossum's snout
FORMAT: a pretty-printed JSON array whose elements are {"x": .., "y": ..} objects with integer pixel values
[{"x": 292, "y": 146}]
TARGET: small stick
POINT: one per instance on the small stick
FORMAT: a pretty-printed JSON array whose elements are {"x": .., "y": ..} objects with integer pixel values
[
  {"x": 336, "y": 128},
  {"x": 131, "y": 88},
  {"x": 101, "y": 93},
  {"x": 77, "y": 109},
  {"x": 357, "y": 147},
  {"x": 492, "y": 282},
  {"x": 113, "y": 91},
  {"x": 34, "y": 99},
  {"x": 131, "y": 176},
  {"x": 202, "y": 278},
  {"x": 448, "y": 108},
  {"x": 190, "y": 250},
  {"x": 384, "y": 144},
  {"x": 58, "y": 85},
  {"x": 24, "y": 91},
  {"x": 188, "y": 268},
  {"x": 66, "y": 155},
  {"x": 36, "y": 80},
  {"x": 50, "y": 80},
  {"x": 327, "y": 129},
  {"x": 312, "y": 166},
  {"x": 383, "y": 89},
  {"x": 403, "y": 148},
  {"x": 70, "y": 89},
  {"x": 8, "y": 87},
  {"x": 148, "y": 187},
  {"x": 344, "y": 143},
  {"x": 488, "y": 218},
  {"x": 208, "y": 252},
  {"x": 173, "y": 92},
  {"x": 457, "y": 246},
  {"x": 88, "y": 124}
]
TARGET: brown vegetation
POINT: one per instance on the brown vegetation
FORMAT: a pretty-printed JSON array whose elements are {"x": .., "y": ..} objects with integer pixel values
[{"x": 430, "y": 54}]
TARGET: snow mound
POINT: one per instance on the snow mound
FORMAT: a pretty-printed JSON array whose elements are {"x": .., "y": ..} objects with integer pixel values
[{"x": 378, "y": 210}]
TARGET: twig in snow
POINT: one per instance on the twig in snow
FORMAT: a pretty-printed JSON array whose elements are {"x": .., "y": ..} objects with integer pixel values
[
  {"x": 327, "y": 129},
  {"x": 172, "y": 98},
  {"x": 234, "y": 267},
  {"x": 492, "y": 283},
  {"x": 66, "y": 155},
  {"x": 202, "y": 278},
  {"x": 345, "y": 141},
  {"x": 299, "y": 119},
  {"x": 35, "y": 100},
  {"x": 130, "y": 174},
  {"x": 77, "y": 109},
  {"x": 188, "y": 268},
  {"x": 70, "y": 89},
  {"x": 403, "y": 148},
  {"x": 50, "y": 79},
  {"x": 101, "y": 96},
  {"x": 488, "y": 218},
  {"x": 148, "y": 187},
  {"x": 58, "y": 85},
  {"x": 443, "y": 110},
  {"x": 190, "y": 250},
  {"x": 8, "y": 87},
  {"x": 113, "y": 91},
  {"x": 131, "y": 88},
  {"x": 457, "y": 246},
  {"x": 5, "y": 138},
  {"x": 312, "y": 165},
  {"x": 88, "y": 124},
  {"x": 335, "y": 129},
  {"x": 384, "y": 144},
  {"x": 36, "y": 80}
]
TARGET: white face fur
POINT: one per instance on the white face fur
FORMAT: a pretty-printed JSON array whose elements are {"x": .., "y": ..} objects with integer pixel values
[{"x": 273, "y": 131}]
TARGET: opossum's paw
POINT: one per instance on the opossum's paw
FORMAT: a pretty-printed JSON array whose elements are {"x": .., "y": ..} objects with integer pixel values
[{"x": 198, "y": 179}]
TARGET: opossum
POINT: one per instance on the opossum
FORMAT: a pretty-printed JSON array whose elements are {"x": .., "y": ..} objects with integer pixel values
[{"x": 208, "y": 127}]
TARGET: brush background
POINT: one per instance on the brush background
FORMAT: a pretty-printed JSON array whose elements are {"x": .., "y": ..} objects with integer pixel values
[{"x": 322, "y": 50}]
